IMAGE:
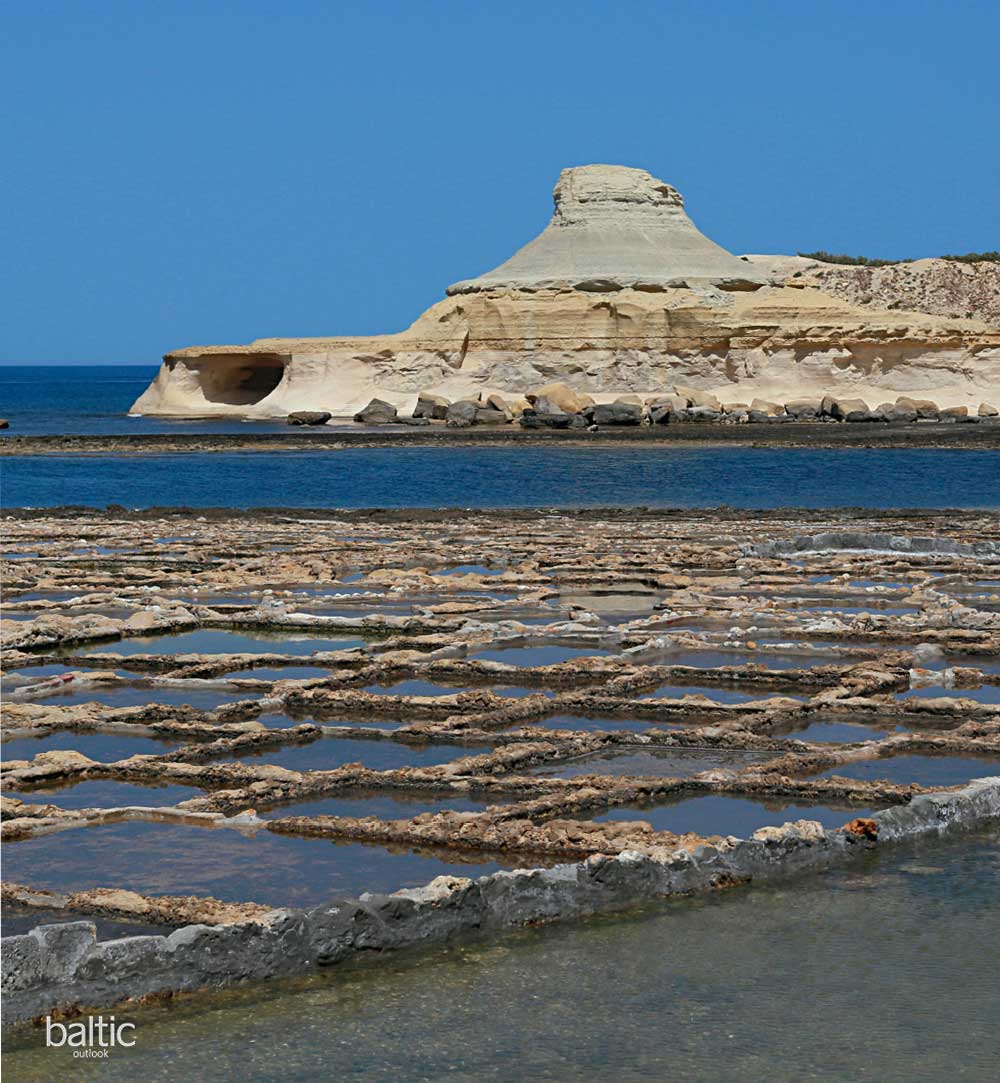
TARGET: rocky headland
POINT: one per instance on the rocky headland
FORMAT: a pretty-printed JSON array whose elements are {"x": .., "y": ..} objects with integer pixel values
[{"x": 624, "y": 306}]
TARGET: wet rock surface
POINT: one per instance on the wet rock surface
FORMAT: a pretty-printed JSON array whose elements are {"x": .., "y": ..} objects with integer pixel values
[{"x": 751, "y": 659}]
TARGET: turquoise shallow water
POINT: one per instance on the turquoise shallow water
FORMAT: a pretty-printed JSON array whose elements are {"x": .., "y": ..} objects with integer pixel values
[{"x": 883, "y": 971}]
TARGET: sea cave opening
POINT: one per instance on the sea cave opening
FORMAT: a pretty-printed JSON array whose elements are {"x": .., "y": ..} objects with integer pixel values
[{"x": 240, "y": 381}]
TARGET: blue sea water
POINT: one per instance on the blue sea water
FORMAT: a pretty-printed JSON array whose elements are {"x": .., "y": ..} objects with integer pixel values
[
  {"x": 742, "y": 477},
  {"x": 93, "y": 400}
]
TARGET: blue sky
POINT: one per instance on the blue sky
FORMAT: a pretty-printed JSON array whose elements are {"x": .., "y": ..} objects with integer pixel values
[{"x": 179, "y": 173}]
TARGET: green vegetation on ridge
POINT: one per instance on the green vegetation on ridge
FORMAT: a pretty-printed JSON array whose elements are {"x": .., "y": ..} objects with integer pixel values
[{"x": 864, "y": 261}]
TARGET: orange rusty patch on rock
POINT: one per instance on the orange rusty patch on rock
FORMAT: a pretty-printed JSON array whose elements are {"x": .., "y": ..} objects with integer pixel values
[{"x": 862, "y": 828}]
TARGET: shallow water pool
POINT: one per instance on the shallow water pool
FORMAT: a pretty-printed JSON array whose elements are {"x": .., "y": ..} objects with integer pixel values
[
  {"x": 103, "y": 747},
  {"x": 326, "y": 753},
  {"x": 714, "y": 692},
  {"x": 651, "y": 763},
  {"x": 202, "y": 699},
  {"x": 715, "y": 814},
  {"x": 178, "y": 859},
  {"x": 218, "y": 641},
  {"x": 923, "y": 770},
  {"x": 17, "y": 920},
  {"x": 823, "y": 732},
  {"x": 107, "y": 793}
]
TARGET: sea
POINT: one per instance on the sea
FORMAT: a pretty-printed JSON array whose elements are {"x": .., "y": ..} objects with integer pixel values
[
  {"x": 884, "y": 960},
  {"x": 95, "y": 400}
]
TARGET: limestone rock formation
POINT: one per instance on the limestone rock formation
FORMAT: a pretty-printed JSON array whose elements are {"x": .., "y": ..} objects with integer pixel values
[
  {"x": 616, "y": 228},
  {"x": 620, "y": 294}
]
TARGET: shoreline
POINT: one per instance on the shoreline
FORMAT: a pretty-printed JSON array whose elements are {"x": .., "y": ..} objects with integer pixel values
[
  {"x": 767, "y": 664},
  {"x": 549, "y": 695},
  {"x": 276, "y": 513},
  {"x": 977, "y": 436}
]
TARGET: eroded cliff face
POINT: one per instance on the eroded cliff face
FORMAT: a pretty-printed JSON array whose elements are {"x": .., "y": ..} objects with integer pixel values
[{"x": 569, "y": 307}]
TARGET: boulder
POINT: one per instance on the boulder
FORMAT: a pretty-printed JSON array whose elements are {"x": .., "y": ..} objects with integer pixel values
[
  {"x": 518, "y": 406},
  {"x": 673, "y": 402},
  {"x": 4, "y": 423},
  {"x": 308, "y": 417},
  {"x": 765, "y": 406},
  {"x": 496, "y": 401},
  {"x": 544, "y": 405},
  {"x": 804, "y": 409},
  {"x": 488, "y": 416},
  {"x": 826, "y": 406},
  {"x": 695, "y": 397},
  {"x": 462, "y": 414},
  {"x": 562, "y": 396},
  {"x": 696, "y": 413},
  {"x": 953, "y": 413},
  {"x": 631, "y": 400},
  {"x": 377, "y": 412},
  {"x": 660, "y": 407},
  {"x": 985, "y": 410},
  {"x": 431, "y": 406},
  {"x": 850, "y": 410},
  {"x": 925, "y": 409},
  {"x": 616, "y": 413},
  {"x": 896, "y": 411},
  {"x": 533, "y": 419},
  {"x": 735, "y": 407}
]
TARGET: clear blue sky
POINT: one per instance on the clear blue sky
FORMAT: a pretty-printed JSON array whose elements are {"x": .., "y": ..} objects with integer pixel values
[{"x": 178, "y": 173}]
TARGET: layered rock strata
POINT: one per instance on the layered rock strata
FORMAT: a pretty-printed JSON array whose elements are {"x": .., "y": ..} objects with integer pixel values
[{"x": 620, "y": 294}]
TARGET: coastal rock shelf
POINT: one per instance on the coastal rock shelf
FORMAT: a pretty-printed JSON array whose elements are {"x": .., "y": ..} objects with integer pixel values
[
  {"x": 292, "y": 707},
  {"x": 622, "y": 295}
]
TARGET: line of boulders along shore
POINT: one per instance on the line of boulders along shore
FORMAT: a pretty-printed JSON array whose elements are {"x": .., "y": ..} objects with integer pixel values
[{"x": 558, "y": 406}]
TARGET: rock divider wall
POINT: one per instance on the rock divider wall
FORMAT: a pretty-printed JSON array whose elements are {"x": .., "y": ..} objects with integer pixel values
[{"x": 64, "y": 967}]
